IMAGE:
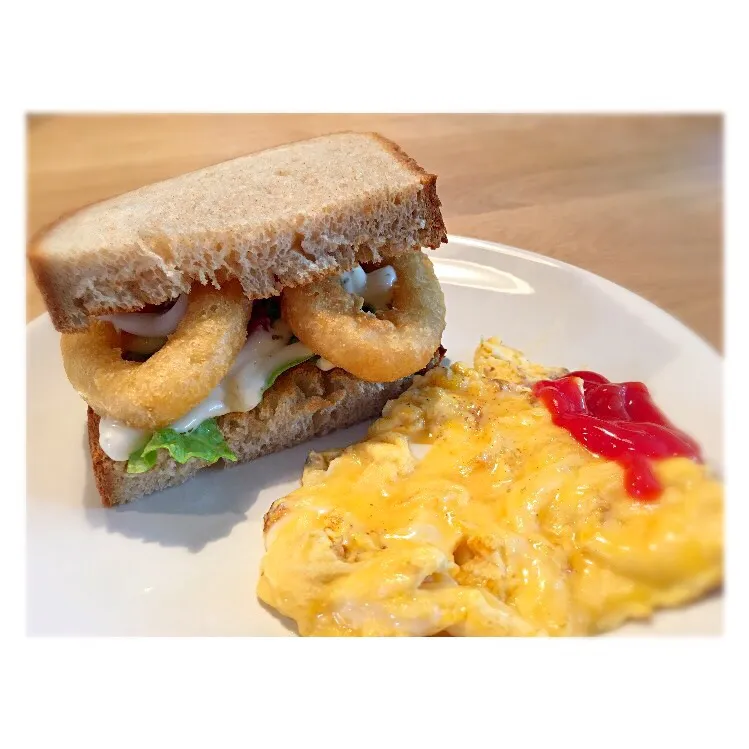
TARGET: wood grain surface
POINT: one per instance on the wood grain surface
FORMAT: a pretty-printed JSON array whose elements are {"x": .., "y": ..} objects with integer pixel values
[{"x": 636, "y": 199}]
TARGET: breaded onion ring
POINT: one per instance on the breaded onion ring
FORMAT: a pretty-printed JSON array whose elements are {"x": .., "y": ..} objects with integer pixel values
[
  {"x": 176, "y": 378},
  {"x": 394, "y": 343}
]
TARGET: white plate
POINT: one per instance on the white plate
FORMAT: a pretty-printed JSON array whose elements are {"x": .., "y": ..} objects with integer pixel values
[{"x": 185, "y": 562}]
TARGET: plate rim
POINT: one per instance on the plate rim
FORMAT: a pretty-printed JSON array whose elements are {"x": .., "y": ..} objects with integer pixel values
[{"x": 533, "y": 256}]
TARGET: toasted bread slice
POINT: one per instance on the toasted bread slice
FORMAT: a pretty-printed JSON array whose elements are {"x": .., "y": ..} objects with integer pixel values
[
  {"x": 276, "y": 218},
  {"x": 303, "y": 403}
]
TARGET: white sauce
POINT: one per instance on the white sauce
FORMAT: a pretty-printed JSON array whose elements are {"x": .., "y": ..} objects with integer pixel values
[
  {"x": 378, "y": 292},
  {"x": 262, "y": 355},
  {"x": 354, "y": 281},
  {"x": 242, "y": 388},
  {"x": 119, "y": 441},
  {"x": 376, "y": 288},
  {"x": 151, "y": 324},
  {"x": 214, "y": 405}
]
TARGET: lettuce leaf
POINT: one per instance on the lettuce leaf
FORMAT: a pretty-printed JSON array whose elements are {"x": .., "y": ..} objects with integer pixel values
[
  {"x": 205, "y": 441},
  {"x": 276, "y": 373}
]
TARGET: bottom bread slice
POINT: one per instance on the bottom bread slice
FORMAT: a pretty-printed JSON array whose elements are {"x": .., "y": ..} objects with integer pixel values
[{"x": 303, "y": 403}]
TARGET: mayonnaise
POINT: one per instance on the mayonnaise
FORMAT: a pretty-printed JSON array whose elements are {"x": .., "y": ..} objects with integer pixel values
[
  {"x": 151, "y": 324},
  {"x": 354, "y": 281},
  {"x": 213, "y": 405},
  {"x": 119, "y": 441},
  {"x": 263, "y": 354},
  {"x": 376, "y": 288},
  {"x": 378, "y": 292}
]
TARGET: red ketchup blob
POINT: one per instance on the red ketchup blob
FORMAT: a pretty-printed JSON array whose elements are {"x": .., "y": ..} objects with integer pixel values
[{"x": 618, "y": 421}]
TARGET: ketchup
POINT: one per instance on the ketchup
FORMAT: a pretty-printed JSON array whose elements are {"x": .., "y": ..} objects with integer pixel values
[{"x": 619, "y": 421}]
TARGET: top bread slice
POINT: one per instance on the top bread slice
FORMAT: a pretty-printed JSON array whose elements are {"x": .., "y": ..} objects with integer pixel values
[{"x": 272, "y": 219}]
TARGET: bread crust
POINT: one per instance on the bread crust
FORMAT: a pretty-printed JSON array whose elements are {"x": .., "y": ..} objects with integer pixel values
[
  {"x": 265, "y": 255},
  {"x": 429, "y": 181},
  {"x": 303, "y": 403}
]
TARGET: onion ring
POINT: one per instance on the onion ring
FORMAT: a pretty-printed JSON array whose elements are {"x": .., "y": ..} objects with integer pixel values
[
  {"x": 150, "y": 324},
  {"x": 176, "y": 378},
  {"x": 384, "y": 347}
]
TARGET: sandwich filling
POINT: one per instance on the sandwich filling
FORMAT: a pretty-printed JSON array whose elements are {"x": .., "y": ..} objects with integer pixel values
[{"x": 271, "y": 348}]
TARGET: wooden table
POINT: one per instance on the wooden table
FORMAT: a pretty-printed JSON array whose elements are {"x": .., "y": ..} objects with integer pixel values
[{"x": 637, "y": 199}]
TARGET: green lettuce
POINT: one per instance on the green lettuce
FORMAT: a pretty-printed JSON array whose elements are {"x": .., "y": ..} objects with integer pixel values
[
  {"x": 276, "y": 373},
  {"x": 205, "y": 441}
]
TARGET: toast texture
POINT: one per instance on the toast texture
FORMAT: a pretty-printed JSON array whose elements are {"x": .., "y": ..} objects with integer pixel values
[
  {"x": 303, "y": 403},
  {"x": 277, "y": 218}
]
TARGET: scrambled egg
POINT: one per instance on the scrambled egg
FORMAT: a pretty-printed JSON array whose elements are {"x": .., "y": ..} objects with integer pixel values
[
  {"x": 467, "y": 512},
  {"x": 499, "y": 362}
]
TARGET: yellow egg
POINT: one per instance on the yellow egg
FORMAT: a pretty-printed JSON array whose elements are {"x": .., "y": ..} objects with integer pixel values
[{"x": 466, "y": 511}]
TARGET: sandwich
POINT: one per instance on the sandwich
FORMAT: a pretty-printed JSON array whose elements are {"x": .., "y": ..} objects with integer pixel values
[{"x": 235, "y": 311}]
